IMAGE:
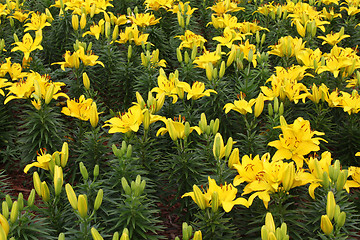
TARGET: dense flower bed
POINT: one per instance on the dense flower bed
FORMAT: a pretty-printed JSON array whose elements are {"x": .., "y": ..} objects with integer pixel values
[{"x": 242, "y": 116}]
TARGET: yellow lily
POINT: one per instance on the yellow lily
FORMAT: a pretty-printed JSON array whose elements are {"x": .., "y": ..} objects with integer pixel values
[
  {"x": 29, "y": 44},
  {"x": 43, "y": 160},
  {"x": 127, "y": 122}
]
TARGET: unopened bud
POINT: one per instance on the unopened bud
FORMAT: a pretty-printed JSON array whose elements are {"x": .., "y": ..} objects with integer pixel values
[
  {"x": 83, "y": 171},
  {"x": 20, "y": 201},
  {"x": 330, "y": 205},
  {"x": 61, "y": 236},
  {"x": 37, "y": 183},
  {"x": 71, "y": 196},
  {"x": 82, "y": 206},
  {"x": 14, "y": 212},
  {"x": 98, "y": 200},
  {"x": 31, "y": 198},
  {"x": 95, "y": 234},
  {"x": 75, "y": 22},
  {"x": 5, "y": 209}
]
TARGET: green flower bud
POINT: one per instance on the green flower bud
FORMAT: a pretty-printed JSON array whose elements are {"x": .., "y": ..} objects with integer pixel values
[
  {"x": 45, "y": 192},
  {"x": 83, "y": 171},
  {"x": 96, "y": 171},
  {"x": 65, "y": 154},
  {"x": 125, "y": 234},
  {"x": 8, "y": 200},
  {"x": 270, "y": 110},
  {"x": 125, "y": 186},
  {"x": 340, "y": 220},
  {"x": 129, "y": 151},
  {"x": 330, "y": 205},
  {"x": 194, "y": 52},
  {"x": 95, "y": 234},
  {"x": 186, "y": 231},
  {"x": 61, "y": 236},
  {"x": 98, "y": 200},
  {"x": 82, "y": 206},
  {"x": 20, "y": 201},
  {"x": 228, "y": 147},
  {"x": 187, "y": 129},
  {"x": 14, "y": 212},
  {"x": 215, "y": 201},
  {"x": 341, "y": 181},
  {"x": 31, "y": 198},
  {"x": 71, "y": 196},
  {"x": 179, "y": 55},
  {"x": 215, "y": 128},
  {"x": 5, "y": 209},
  {"x": 197, "y": 235},
  {"x": 116, "y": 236},
  {"x": 326, "y": 225},
  {"x": 222, "y": 69}
]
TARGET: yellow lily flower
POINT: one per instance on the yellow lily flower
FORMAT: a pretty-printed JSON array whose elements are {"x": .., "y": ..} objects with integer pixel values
[
  {"x": 155, "y": 5},
  {"x": 144, "y": 19},
  {"x": 295, "y": 141},
  {"x": 333, "y": 38},
  {"x": 242, "y": 106},
  {"x": 222, "y": 7},
  {"x": 196, "y": 91},
  {"x": 88, "y": 59},
  {"x": 29, "y": 44},
  {"x": 79, "y": 109},
  {"x": 21, "y": 89},
  {"x": 37, "y": 22},
  {"x": 3, "y": 83},
  {"x": 226, "y": 196},
  {"x": 71, "y": 61},
  {"x": 127, "y": 122},
  {"x": 176, "y": 128},
  {"x": 95, "y": 30},
  {"x": 167, "y": 86},
  {"x": 190, "y": 39},
  {"x": 132, "y": 34},
  {"x": 43, "y": 160},
  {"x": 119, "y": 20}
]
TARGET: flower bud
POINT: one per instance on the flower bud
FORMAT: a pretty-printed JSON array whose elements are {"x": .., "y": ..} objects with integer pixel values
[
  {"x": 116, "y": 236},
  {"x": 336, "y": 171},
  {"x": 125, "y": 186},
  {"x": 232, "y": 56},
  {"x": 288, "y": 177},
  {"x": 94, "y": 115},
  {"x": 2, "y": 234},
  {"x": 71, "y": 196},
  {"x": 8, "y": 200},
  {"x": 215, "y": 127},
  {"x": 98, "y": 199},
  {"x": 340, "y": 220},
  {"x": 75, "y": 22},
  {"x": 64, "y": 154},
  {"x": 270, "y": 110},
  {"x": 187, "y": 129},
  {"x": 61, "y": 236},
  {"x": 14, "y": 212},
  {"x": 269, "y": 222},
  {"x": 86, "y": 81},
  {"x": 199, "y": 197},
  {"x": 179, "y": 55},
  {"x": 222, "y": 69},
  {"x": 325, "y": 180},
  {"x": 146, "y": 120},
  {"x": 234, "y": 158},
  {"x": 186, "y": 57},
  {"x": 228, "y": 147},
  {"x": 125, "y": 234},
  {"x": 215, "y": 201},
  {"x": 95, "y": 234},
  {"x": 259, "y": 105},
  {"x": 20, "y": 201},
  {"x": 128, "y": 151},
  {"x": 96, "y": 171},
  {"x": 83, "y": 21},
  {"x": 5, "y": 209},
  {"x": 326, "y": 225},
  {"x": 58, "y": 180},
  {"x": 82, "y": 206},
  {"x": 276, "y": 105},
  {"x": 37, "y": 183},
  {"x": 115, "y": 33},
  {"x": 330, "y": 205},
  {"x": 197, "y": 235},
  {"x": 264, "y": 233},
  {"x": 45, "y": 192},
  {"x": 341, "y": 180},
  {"x": 209, "y": 71},
  {"x": 215, "y": 73},
  {"x": 194, "y": 52},
  {"x": 31, "y": 198},
  {"x": 49, "y": 93},
  {"x": 83, "y": 171},
  {"x": 4, "y": 225},
  {"x": 218, "y": 144},
  {"x": 186, "y": 231}
]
